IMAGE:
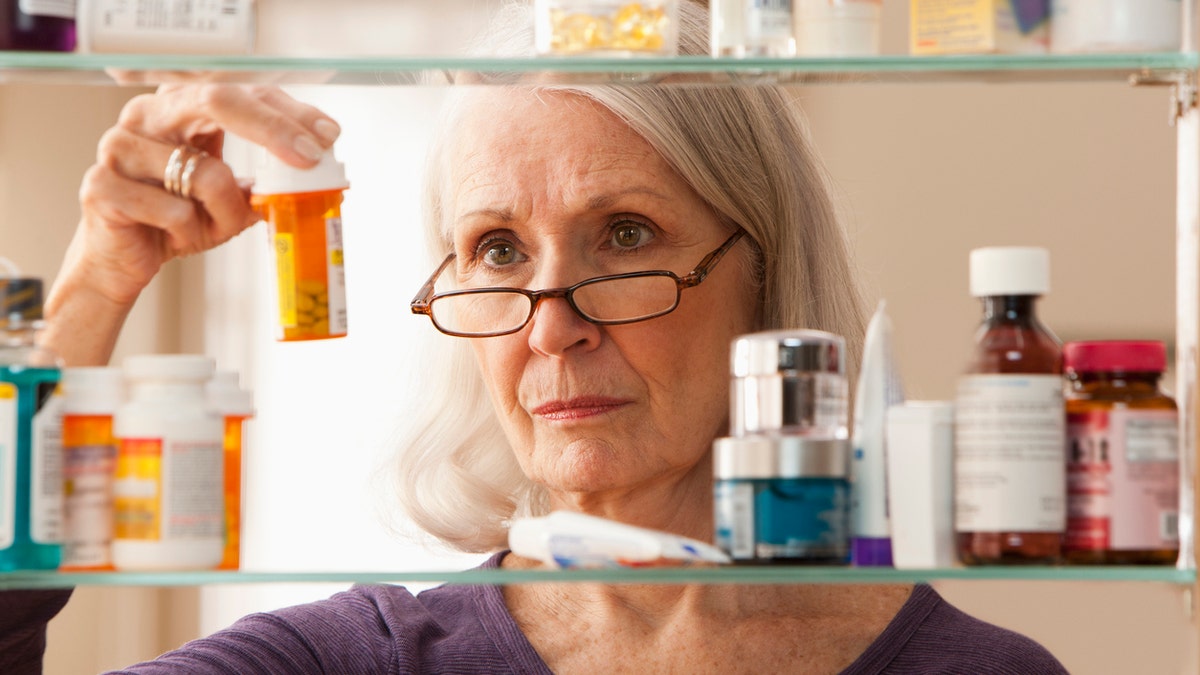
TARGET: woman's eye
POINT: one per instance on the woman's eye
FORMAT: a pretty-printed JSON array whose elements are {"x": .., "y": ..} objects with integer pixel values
[
  {"x": 500, "y": 254},
  {"x": 631, "y": 235}
]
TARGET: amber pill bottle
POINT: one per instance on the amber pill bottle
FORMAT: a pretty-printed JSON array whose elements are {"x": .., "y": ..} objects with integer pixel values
[
  {"x": 1122, "y": 455},
  {"x": 302, "y": 208},
  {"x": 1009, "y": 473}
]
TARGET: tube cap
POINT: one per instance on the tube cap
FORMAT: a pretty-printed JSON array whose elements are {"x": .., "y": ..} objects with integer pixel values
[
  {"x": 273, "y": 177},
  {"x": 1010, "y": 270}
]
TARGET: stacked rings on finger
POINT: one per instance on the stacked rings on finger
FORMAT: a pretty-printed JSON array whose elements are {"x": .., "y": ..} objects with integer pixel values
[{"x": 181, "y": 165}]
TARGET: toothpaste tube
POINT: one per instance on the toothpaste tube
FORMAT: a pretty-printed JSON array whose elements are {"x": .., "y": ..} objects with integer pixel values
[
  {"x": 570, "y": 540},
  {"x": 878, "y": 389}
]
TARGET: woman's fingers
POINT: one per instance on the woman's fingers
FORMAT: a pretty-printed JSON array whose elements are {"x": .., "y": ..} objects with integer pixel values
[
  {"x": 296, "y": 132},
  {"x": 132, "y": 224},
  {"x": 215, "y": 192}
]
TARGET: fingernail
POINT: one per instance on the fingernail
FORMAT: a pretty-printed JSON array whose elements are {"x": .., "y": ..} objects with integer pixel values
[
  {"x": 308, "y": 148},
  {"x": 327, "y": 130}
]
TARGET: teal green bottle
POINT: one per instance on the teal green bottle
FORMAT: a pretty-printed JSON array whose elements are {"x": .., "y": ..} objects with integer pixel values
[{"x": 31, "y": 485}]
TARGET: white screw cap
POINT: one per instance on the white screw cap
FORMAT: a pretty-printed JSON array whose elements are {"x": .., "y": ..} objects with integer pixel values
[
  {"x": 273, "y": 177},
  {"x": 1010, "y": 270}
]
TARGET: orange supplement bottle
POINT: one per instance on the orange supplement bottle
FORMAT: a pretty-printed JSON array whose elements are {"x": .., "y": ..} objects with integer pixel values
[
  {"x": 303, "y": 210},
  {"x": 1009, "y": 470},
  {"x": 236, "y": 406},
  {"x": 1122, "y": 455}
]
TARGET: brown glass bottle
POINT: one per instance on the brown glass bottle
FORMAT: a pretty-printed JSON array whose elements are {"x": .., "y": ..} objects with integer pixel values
[
  {"x": 1122, "y": 455},
  {"x": 1010, "y": 504}
]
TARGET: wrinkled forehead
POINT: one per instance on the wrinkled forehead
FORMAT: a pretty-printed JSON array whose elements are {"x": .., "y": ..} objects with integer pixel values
[
  {"x": 486, "y": 117},
  {"x": 497, "y": 137}
]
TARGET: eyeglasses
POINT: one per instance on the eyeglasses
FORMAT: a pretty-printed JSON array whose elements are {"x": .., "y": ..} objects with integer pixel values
[{"x": 607, "y": 300}]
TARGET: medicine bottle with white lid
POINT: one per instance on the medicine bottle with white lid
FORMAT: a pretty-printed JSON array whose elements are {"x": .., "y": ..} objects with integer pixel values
[
  {"x": 169, "y": 490},
  {"x": 302, "y": 208},
  {"x": 91, "y": 396},
  {"x": 236, "y": 407},
  {"x": 1010, "y": 432}
]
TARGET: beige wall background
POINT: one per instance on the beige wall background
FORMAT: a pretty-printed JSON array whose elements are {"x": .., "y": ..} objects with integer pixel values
[{"x": 925, "y": 173}]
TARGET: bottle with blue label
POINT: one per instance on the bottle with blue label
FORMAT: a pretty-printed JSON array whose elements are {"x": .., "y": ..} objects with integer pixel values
[
  {"x": 31, "y": 485},
  {"x": 781, "y": 488}
]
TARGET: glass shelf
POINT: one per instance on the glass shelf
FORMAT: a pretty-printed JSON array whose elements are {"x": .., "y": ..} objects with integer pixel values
[
  {"x": 660, "y": 575},
  {"x": 72, "y": 68}
]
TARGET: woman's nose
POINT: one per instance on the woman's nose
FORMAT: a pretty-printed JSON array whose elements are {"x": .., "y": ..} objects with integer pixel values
[{"x": 557, "y": 328}]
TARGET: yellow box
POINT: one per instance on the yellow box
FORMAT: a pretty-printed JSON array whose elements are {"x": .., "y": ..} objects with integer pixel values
[{"x": 979, "y": 27}]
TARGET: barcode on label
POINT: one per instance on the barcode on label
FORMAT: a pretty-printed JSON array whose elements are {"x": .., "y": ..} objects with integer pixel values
[
  {"x": 743, "y": 529},
  {"x": 1169, "y": 526}
]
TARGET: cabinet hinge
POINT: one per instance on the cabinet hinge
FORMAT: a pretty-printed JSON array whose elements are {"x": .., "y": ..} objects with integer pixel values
[{"x": 1183, "y": 90}]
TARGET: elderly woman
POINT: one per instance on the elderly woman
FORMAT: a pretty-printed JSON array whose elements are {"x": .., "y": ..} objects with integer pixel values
[{"x": 596, "y": 397}]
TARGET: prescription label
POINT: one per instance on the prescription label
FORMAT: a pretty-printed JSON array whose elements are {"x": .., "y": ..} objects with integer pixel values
[{"x": 1010, "y": 469}]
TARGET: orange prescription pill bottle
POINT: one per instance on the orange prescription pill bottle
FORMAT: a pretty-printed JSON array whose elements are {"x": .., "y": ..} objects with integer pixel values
[
  {"x": 302, "y": 208},
  {"x": 235, "y": 405},
  {"x": 90, "y": 398}
]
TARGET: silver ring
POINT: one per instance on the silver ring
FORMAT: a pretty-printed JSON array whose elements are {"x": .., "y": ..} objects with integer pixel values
[
  {"x": 177, "y": 176},
  {"x": 185, "y": 178}
]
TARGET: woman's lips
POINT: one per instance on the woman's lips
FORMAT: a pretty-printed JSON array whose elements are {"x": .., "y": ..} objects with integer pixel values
[{"x": 577, "y": 408}]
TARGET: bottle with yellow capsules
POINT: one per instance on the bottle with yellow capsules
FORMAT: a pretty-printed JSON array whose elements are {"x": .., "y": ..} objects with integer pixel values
[
  {"x": 302, "y": 208},
  {"x": 31, "y": 496}
]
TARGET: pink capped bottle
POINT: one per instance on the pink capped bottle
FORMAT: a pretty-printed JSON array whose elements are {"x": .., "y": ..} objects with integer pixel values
[{"x": 1122, "y": 455}]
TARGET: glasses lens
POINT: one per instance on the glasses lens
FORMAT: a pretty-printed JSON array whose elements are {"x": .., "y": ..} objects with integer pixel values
[
  {"x": 629, "y": 298},
  {"x": 481, "y": 312}
]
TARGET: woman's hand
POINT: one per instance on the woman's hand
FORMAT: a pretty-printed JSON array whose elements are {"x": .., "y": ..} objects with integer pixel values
[{"x": 131, "y": 225}]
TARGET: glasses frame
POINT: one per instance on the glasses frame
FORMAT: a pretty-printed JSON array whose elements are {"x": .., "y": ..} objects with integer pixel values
[{"x": 422, "y": 303}]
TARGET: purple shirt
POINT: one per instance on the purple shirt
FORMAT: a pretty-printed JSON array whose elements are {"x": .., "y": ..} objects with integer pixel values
[{"x": 467, "y": 629}]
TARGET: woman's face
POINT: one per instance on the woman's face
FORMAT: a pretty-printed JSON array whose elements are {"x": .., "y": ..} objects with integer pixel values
[{"x": 547, "y": 190}]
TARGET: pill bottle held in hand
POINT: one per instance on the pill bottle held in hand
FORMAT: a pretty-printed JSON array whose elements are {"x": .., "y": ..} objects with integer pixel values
[{"x": 302, "y": 208}]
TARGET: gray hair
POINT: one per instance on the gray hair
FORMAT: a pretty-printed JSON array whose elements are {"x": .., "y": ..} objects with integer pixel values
[{"x": 745, "y": 151}]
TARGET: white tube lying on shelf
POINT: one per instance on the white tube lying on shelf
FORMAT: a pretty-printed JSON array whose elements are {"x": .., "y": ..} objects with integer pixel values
[{"x": 572, "y": 540}]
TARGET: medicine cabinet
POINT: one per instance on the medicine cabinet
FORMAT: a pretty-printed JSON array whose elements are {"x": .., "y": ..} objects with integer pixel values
[{"x": 1173, "y": 75}]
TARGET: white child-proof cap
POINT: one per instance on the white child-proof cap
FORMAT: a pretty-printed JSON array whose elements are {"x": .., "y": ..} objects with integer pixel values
[
  {"x": 1010, "y": 270},
  {"x": 92, "y": 390},
  {"x": 274, "y": 177},
  {"x": 169, "y": 367},
  {"x": 225, "y": 393}
]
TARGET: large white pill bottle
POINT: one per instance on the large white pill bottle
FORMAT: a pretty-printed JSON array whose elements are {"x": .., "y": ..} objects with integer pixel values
[{"x": 169, "y": 489}]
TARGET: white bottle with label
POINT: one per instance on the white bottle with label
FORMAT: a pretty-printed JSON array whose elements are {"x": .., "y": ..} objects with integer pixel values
[
  {"x": 752, "y": 28},
  {"x": 169, "y": 488},
  {"x": 166, "y": 26},
  {"x": 91, "y": 397}
]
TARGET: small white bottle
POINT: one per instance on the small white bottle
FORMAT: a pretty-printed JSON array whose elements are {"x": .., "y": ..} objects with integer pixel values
[
  {"x": 920, "y": 484},
  {"x": 169, "y": 488},
  {"x": 752, "y": 28},
  {"x": 166, "y": 26},
  {"x": 91, "y": 397}
]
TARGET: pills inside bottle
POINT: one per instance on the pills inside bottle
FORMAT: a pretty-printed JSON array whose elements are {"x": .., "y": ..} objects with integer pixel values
[
  {"x": 302, "y": 208},
  {"x": 605, "y": 26}
]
